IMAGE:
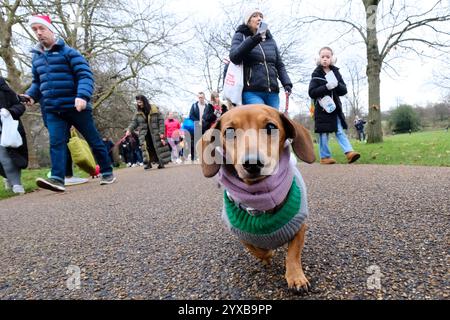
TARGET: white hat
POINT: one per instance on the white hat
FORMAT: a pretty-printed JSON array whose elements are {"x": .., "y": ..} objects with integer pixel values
[
  {"x": 248, "y": 14},
  {"x": 44, "y": 20}
]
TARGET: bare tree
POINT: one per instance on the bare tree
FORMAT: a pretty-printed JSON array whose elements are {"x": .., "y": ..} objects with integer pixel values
[
  {"x": 122, "y": 39},
  {"x": 355, "y": 84},
  {"x": 441, "y": 76},
  {"x": 215, "y": 40},
  {"x": 211, "y": 43},
  {"x": 401, "y": 27},
  {"x": 8, "y": 18},
  {"x": 215, "y": 43}
]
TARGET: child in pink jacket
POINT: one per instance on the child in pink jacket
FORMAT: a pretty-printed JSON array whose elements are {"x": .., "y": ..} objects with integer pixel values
[{"x": 172, "y": 127}]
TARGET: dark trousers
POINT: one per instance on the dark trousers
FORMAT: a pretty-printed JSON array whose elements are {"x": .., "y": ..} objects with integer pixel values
[
  {"x": 195, "y": 137},
  {"x": 69, "y": 163},
  {"x": 361, "y": 135},
  {"x": 192, "y": 143},
  {"x": 58, "y": 124}
]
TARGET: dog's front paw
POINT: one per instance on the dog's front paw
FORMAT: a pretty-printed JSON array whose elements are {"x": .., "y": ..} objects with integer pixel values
[{"x": 298, "y": 282}]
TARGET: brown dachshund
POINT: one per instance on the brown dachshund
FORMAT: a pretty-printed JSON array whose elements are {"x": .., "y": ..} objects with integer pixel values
[{"x": 265, "y": 203}]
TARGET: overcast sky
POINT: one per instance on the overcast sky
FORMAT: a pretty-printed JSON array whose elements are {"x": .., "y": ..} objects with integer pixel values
[{"x": 412, "y": 81}]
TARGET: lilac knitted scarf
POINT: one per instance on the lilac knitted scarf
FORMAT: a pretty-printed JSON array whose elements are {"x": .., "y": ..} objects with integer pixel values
[{"x": 266, "y": 194}]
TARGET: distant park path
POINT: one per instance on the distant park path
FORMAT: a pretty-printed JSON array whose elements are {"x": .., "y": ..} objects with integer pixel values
[{"x": 375, "y": 232}]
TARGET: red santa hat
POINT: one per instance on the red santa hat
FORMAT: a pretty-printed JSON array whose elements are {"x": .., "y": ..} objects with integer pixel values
[{"x": 44, "y": 20}]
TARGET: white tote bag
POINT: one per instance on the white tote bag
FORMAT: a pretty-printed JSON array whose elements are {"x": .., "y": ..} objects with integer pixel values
[
  {"x": 10, "y": 136},
  {"x": 234, "y": 83}
]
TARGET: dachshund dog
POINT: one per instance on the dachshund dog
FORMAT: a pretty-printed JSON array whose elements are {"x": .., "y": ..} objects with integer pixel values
[{"x": 265, "y": 202}]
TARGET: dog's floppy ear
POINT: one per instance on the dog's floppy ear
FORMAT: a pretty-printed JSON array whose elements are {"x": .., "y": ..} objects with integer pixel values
[
  {"x": 207, "y": 151},
  {"x": 301, "y": 139}
]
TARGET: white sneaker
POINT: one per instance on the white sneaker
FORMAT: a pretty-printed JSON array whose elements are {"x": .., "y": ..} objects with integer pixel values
[
  {"x": 141, "y": 164},
  {"x": 74, "y": 181},
  {"x": 178, "y": 161},
  {"x": 7, "y": 184},
  {"x": 129, "y": 164},
  {"x": 134, "y": 165},
  {"x": 18, "y": 188}
]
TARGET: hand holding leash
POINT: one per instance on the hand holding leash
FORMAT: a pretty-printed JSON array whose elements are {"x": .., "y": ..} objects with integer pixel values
[{"x": 29, "y": 101}]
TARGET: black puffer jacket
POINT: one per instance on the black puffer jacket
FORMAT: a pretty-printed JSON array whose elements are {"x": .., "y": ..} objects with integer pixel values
[
  {"x": 210, "y": 117},
  {"x": 9, "y": 101},
  {"x": 262, "y": 62},
  {"x": 327, "y": 122}
]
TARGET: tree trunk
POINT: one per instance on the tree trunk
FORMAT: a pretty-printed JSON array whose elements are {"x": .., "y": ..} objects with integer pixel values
[
  {"x": 7, "y": 54},
  {"x": 374, "y": 130}
]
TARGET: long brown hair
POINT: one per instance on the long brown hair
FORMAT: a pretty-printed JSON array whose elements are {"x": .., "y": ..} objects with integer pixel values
[{"x": 146, "y": 104}]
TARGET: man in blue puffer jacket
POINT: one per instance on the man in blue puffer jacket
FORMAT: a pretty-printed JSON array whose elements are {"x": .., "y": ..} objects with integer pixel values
[{"x": 63, "y": 84}]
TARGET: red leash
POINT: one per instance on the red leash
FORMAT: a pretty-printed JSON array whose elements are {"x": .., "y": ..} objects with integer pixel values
[
  {"x": 286, "y": 108},
  {"x": 119, "y": 142}
]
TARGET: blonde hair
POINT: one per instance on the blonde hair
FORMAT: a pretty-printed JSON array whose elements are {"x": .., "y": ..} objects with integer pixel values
[
  {"x": 333, "y": 58},
  {"x": 326, "y": 48},
  {"x": 214, "y": 94}
]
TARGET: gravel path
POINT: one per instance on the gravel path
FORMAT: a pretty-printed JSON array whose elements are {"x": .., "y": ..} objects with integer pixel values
[{"x": 158, "y": 235}]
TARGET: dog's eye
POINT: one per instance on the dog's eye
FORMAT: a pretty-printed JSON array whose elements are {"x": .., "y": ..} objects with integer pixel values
[
  {"x": 229, "y": 133},
  {"x": 271, "y": 128}
]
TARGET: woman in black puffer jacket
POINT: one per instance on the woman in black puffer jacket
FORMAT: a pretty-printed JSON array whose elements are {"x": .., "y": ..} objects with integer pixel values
[
  {"x": 12, "y": 160},
  {"x": 262, "y": 62}
]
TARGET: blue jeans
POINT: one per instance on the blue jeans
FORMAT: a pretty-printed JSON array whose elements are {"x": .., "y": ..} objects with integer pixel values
[
  {"x": 341, "y": 137},
  {"x": 58, "y": 124},
  {"x": 69, "y": 163},
  {"x": 254, "y": 97},
  {"x": 137, "y": 155}
]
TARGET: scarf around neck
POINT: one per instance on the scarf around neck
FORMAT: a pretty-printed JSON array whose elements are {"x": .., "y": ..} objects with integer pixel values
[{"x": 266, "y": 194}]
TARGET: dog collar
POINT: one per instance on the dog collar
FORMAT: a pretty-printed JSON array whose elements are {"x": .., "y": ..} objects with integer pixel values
[
  {"x": 252, "y": 211},
  {"x": 265, "y": 194}
]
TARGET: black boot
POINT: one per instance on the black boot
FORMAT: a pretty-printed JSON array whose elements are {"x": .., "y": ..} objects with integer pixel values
[
  {"x": 148, "y": 166},
  {"x": 161, "y": 165}
]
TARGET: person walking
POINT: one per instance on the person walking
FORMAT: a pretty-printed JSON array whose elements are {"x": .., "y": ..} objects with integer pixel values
[
  {"x": 109, "y": 144},
  {"x": 63, "y": 84},
  {"x": 149, "y": 122},
  {"x": 359, "y": 125},
  {"x": 125, "y": 150},
  {"x": 187, "y": 134},
  {"x": 196, "y": 115},
  {"x": 172, "y": 127},
  {"x": 12, "y": 160},
  {"x": 213, "y": 111},
  {"x": 326, "y": 82},
  {"x": 255, "y": 47}
]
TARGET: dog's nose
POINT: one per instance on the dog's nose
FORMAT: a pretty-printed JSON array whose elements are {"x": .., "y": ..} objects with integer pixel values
[{"x": 253, "y": 165}]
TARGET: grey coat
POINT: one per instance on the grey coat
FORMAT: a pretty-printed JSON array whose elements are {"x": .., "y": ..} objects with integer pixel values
[{"x": 149, "y": 135}]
